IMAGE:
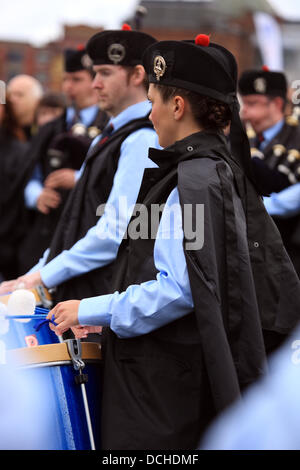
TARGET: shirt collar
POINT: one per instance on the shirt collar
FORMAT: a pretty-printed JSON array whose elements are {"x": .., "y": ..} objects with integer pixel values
[
  {"x": 270, "y": 133},
  {"x": 86, "y": 115},
  {"x": 135, "y": 111},
  {"x": 200, "y": 144}
]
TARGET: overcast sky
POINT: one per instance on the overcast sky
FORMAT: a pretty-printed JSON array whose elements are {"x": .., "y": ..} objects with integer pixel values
[
  {"x": 40, "y": 21},
  {"x": 290, "y": 9}
]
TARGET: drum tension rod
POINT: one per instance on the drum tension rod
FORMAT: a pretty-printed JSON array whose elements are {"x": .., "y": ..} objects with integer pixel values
[
  {"x": 45, "y": 302},
  {"x": 74, "y": 348}
]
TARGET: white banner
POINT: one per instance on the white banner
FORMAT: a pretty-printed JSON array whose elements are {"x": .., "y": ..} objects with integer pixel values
[{"x": 269, "y": 39}]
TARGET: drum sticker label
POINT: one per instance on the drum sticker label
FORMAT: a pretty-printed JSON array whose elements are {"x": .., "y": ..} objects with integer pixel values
[{"x": 31, "y": 341}]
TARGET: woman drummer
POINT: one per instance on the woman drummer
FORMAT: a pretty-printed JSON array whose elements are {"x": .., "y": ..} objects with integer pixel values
[{"x": 195, "y": 299}]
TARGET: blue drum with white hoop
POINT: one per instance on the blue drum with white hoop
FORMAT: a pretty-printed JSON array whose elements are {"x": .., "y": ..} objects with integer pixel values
[
  {"x": 70, "y": 373},
  {"x": 22, "y": 333},
  {"x": 17, "y": 331}
]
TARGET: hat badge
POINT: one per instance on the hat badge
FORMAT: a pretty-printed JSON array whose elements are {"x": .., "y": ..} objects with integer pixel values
[
  {"x": 159, "y": 67},
  {"x": 260, "y": 85},
  {"x": 78, "y": 129},
  {"x": 86, "y": 61},
  {"x": 116, "y": 53}
]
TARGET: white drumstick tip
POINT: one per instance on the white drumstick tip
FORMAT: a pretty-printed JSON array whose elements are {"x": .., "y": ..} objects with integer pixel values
[{"x": 21, "y": 302}]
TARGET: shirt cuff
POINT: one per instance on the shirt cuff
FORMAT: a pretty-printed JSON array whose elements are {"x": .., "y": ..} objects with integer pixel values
[
  {"x": 53, "y": 273},
  {"x": 32, "y": 193},
  {"x": 94, "y": 311}
]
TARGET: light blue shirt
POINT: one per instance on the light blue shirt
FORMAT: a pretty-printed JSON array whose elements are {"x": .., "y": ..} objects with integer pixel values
[
  {"x": 270, "y": 133},
  {"x": 35, "y": 186},
  {"x": 286, "y": 203},
  {"x": 145, "y": 307},
  {"x": 86, "y": 115},
  {"x": 100, "y": 245}
]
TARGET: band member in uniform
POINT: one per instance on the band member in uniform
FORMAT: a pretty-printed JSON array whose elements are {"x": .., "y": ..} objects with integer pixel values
[
  {"x": 24, "y": 93},
  {"x": 206, "y": 291},
  {"x": 57, "y": 152},
  {"x": 13, "y": 148},
  {"x": 275, "y": 143},
  {"x": 81, "y": 255}
]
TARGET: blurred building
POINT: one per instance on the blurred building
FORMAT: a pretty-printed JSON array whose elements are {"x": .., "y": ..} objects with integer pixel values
[
  {"x": 45, "y": 63},
  {"x": 230, "y": 23},
  {"x": 291, "y": 45}
]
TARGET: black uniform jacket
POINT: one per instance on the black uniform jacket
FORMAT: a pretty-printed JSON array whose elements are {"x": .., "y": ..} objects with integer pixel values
[
  {"x": 12, "y": 162},
  {"x": 80, "y": 211},
  {"x": 162, "y": 389},
  {"x": 276, "y": 167},
  {"x": 53, "y": 148}
]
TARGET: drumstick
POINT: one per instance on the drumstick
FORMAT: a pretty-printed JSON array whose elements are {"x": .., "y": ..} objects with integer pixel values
[
  {"x": 31, "y": 317},
  {"x": 38, "y": 316}
]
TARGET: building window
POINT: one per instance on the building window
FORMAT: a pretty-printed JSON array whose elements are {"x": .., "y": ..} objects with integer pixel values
[
  {"x": 43, "y": 57},
  {"x": 14, "y": 56}
]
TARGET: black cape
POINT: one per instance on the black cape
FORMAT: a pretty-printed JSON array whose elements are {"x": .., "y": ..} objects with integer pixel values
[{"x": 162, "y": 389}]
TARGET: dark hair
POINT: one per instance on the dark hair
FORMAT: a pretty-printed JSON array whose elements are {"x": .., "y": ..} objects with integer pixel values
[
  {"x": 284, "y": 101},
  {"x": 9, "y": 126},
  {"x": 53, "y": 100},
  {"x": 130, "y": 69},
  {"x": 91, "y": 71},
  {"x": 209, "y": 113}
]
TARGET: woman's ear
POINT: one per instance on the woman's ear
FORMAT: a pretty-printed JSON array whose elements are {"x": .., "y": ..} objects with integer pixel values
[{"x": 179, "y": 107}]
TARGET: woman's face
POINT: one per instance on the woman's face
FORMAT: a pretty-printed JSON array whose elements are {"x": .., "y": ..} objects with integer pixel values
[{"x": 162, "y": 117}]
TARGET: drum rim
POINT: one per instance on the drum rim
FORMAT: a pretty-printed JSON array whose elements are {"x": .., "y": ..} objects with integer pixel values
[
  {"x": 35, "y": 290},
  {"x": 49, "y": 353},
  {"x": 41, "y": 365}
]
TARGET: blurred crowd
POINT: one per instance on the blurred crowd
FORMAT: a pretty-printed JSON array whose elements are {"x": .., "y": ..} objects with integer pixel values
[
  {"x": 42, "y": 133},
  {"x": 44, "y": 138}
]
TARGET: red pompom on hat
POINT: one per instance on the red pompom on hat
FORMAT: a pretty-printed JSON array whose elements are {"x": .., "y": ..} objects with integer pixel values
[
  {"x": 126, "y": 27},
  {"x": 80, "y": 47},
  {"x": 265, "y": 68},
  {"x": 202, "y": 40}
]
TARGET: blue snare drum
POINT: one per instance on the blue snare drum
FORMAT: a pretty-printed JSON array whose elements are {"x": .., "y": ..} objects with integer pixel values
[
  {"x": 30, "y": 333},
  {"x": 71, "y": 374}
]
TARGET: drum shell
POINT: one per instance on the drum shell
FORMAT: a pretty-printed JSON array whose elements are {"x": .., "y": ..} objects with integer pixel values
[
  {"x": 21, "y": 335},
  {"x": 68, "y": 429}
]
